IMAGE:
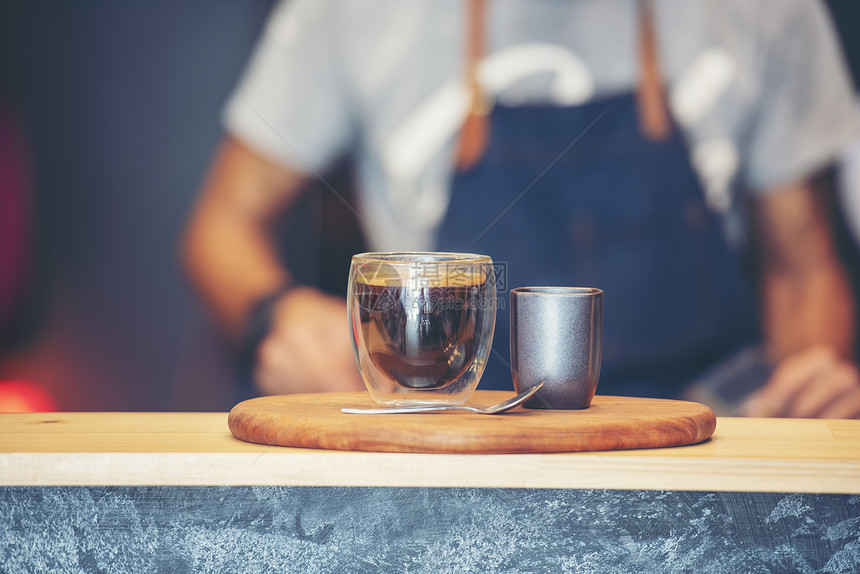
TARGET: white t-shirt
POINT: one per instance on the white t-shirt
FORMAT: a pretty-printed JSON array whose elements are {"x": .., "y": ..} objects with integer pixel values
[
  {"x": 849, "y": 185},
  {"x": 758, "y": 86}
]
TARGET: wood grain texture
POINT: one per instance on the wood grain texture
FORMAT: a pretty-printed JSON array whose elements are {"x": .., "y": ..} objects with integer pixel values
[
  {"x": 612, "y": 423},
  {"x": 743, "y": 455}
]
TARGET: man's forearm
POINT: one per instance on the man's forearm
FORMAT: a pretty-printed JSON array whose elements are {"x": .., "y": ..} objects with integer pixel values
[
  {"x": 231, "y": 263},
  {"x": 807, "y": 299},
  {"x": 807, "y": 307},
  {"x": 229, "y": 251}
]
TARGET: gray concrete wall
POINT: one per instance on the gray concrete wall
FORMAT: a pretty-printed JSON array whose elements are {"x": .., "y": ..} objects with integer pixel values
[{"x": 239, "y": 529}]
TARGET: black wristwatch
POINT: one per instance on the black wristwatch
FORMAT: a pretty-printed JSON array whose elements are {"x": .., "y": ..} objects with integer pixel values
[{"x": 258, "y": 325}]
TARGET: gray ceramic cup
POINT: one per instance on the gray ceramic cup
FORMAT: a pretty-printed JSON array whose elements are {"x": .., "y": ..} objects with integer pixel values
[{"x": 557, "y": 337}]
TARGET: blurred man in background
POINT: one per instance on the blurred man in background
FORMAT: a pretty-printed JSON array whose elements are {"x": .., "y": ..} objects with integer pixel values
[{"x": 647, "y": 148}]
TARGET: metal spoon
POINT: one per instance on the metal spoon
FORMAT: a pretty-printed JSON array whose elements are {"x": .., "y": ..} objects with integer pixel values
[{"x": 492, "y": 410}]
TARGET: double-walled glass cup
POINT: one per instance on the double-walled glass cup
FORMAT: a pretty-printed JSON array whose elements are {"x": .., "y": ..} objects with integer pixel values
[{"x": 422, "y": 324}]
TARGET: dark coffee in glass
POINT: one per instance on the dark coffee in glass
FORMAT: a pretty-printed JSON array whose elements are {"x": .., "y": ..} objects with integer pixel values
[{"x": 422, "y": 338}]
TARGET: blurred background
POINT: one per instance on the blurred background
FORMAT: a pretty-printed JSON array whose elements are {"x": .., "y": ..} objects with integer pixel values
[{"x": 109, "y": 114}]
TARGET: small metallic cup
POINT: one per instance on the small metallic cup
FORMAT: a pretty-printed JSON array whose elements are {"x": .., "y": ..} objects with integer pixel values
[{"x": 557, "y": 337}]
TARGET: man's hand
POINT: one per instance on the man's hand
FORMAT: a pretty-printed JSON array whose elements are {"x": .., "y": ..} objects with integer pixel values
[
  {"x": 308, "y": 349},
  {"x": 813, "y": 383},
  {"x": 808, "y": 309}
]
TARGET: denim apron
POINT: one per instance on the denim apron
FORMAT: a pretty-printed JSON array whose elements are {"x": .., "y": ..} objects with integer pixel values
[{"x": 617, "y": 211}]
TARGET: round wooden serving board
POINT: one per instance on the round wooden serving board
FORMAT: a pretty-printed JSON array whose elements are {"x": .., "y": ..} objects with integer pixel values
[{"x": 611, "y": 423}]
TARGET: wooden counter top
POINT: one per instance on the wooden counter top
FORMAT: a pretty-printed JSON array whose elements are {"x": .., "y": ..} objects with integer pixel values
[{"x": 744, "y": 455}]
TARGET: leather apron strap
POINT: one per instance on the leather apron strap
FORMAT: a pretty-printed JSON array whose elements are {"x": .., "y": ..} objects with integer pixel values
[
  {"x": 650, "y": 94},
  {"x": 475, "y": 131}
]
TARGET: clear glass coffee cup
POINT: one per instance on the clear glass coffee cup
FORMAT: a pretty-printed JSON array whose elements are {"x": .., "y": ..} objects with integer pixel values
[{"x": 422, "y": 324}]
